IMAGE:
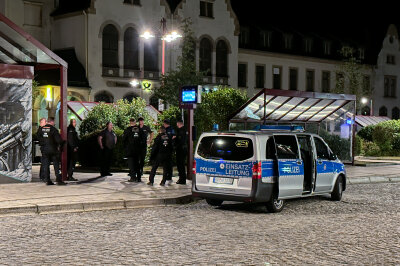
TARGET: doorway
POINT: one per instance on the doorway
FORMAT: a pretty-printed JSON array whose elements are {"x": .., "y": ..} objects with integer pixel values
[{"x": 306, "y": 152}]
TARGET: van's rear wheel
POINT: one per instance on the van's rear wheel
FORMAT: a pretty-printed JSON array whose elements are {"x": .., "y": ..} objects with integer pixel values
[
  {"x": 337, "y": 192},
  {"x": 214, "y": 202},
  {"x": 275, "y": 205}
]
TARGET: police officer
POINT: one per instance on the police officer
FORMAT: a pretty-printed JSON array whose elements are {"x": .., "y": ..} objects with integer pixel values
[
  {"x": 42, "y": 123},
  {"x": 161, "y": 154},
  {"x": 132, "y": 144},
  {"x": 146, "y": 136},
  {"x": 107, "y": 140},
  {"x": 169, "y": 130},
  {"x": 73, "y": 145},
  {"x": 181, "y": 151},
  {"x": 52, "y": 143}
]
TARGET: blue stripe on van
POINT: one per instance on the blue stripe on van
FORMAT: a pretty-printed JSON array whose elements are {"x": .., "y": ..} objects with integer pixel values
[
  {"x": 289, "y": 167},
  {"x": 224, "y": 168}
]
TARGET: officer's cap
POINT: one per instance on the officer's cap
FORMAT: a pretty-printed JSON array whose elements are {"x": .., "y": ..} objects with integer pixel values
[
  {"x": 132, "y": 120},
  {"x": 179, "y": 120},
  {"x": 140, "y": 119},
  {"x": 166, "y": 121}
]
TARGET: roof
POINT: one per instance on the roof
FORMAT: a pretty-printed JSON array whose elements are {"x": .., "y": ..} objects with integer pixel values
[
  {"x": 271, "y": 105},
  {"x": 76, "y": 71},
  {"x": 19, "y": 48},
  {"x": 364, "y": 120}
]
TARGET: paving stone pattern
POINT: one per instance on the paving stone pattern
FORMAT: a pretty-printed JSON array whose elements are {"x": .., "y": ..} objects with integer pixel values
[{"x": 362, "y": 229}]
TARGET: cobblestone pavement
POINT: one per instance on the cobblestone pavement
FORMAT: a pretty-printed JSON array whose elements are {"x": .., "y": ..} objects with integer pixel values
[{"x": 364, "y": 228}]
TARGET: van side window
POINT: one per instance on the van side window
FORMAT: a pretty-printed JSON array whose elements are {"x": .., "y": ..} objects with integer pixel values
[
  {"x": 270, "y": 152},
  {"x": 322, "y": 149},
  {"x": 286, "y": 146}
]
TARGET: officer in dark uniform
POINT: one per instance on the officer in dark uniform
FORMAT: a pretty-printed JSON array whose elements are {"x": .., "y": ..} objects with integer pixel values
[
  {"x": 169, "y": 130},
  {"x": 42, "y": 123},
  {"x": 161, "y": 154},
  {"x": 52, "y": 143},
  {"x": 73, "y": 145},
  {"x": 181, "y": 151},
  {"x": 132, "y": 144},
  {"x": 146, "y": 136}
]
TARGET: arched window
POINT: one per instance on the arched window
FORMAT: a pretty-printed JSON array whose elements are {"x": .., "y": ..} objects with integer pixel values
[
  {"x": 104, "y": 97},
  {"x": 110, "y": 46},
  {"x": 205, "y": 56},
  {"x": 222, "y": 59},
  {"x": 131, "y": 49},
  {"x": 365, "y": 110},
  {"x": 383, "y": 111},
  {"x": 395, "y": 113},
  {"x": 130, "y": 96},
  {"x": 151, "y": 55}
]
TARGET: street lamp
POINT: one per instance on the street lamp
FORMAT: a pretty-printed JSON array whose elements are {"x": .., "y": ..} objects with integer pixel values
[
  {"x": 165, "y": 37},
  {"x": 364, "y": 101}
]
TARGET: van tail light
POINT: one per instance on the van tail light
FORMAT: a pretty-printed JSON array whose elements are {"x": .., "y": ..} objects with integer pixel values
[
  {"x": 194, "y": 167},
  {"x": 257, "y": 170}
]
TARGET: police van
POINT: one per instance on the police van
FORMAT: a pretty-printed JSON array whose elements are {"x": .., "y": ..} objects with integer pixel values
[{"x": 268, "y": 165}]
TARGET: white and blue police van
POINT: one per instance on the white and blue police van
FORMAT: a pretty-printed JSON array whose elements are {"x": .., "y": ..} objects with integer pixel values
[{"x": 268, "y": 165}]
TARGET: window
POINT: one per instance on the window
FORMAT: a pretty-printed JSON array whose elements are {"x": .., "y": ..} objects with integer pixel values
[
  {"x": 288, "y": 41},
  {"x": 286, "y": 147},
  {"x": 383, "y": 111},
  {"x": 130, "y": 96},
  {"x": 33, "y": 14},
  {"x": 104, "y": 97},
  {"x": 270, "y": 152},
  {"x": 310, "y": 80},
  {"x": 242, "y": 75},
  {"x": 322, "y": 149},
  {"x": 326, "y": 81},
  {"x": 277, "y": 77},
  {"x": 308, "y": 45},
  {"x": 361, "y": 53},
  {"x": 390, "y": 86},
  {"x": 226, "y": 148},
  {"x": 395, "y": 113},
  {"x": 327, "y": 48},
  {"x": 151, "y": 55},
  {"x": 365, "y": 110},
  {"x": 260, "y": 76},
  {"x": 110, "y": 46},
  {"x": 206, "y": 9},
  {"x": 244, "y": 36},
  {"x": 293, "y": 79},
  {"x": 131, "y": 49},
  {"x": 390, "y": 59},
  {"x": 132, "y": 2},
  {"x": 222, "y": 59},
  {"x": 367, "y": 84},
  {"x": 340, "y": 81},
  {"x": 266, "y": 39},
  {"x": 205, "y": 56}
]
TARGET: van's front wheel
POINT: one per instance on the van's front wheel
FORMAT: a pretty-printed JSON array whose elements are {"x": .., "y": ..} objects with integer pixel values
[
  {"x": 214, "y": 202},
  {"x": 275, "y": 205},
  {"x": 337, "y": 192}
]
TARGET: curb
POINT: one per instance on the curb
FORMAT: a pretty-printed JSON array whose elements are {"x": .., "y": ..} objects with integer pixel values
[
  {"x": 373, "y": 179},
  {"x": 93, "y": 206}
]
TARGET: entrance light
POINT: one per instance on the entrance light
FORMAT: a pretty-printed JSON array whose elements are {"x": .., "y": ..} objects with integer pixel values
[{"x": 147, "y": 35}]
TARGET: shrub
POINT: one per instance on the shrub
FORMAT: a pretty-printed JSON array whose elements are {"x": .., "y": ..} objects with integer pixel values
[
  {"x": 383, "y": 137},
  {"x": 366, "y": 133},
  {"x": 371, "y": 149}
]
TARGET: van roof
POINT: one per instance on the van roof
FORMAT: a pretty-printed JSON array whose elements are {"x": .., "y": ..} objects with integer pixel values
[{"x": 257, "y": 132}]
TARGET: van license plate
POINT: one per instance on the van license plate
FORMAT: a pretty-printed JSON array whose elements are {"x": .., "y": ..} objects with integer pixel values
[{"x": 223, "y": 180}]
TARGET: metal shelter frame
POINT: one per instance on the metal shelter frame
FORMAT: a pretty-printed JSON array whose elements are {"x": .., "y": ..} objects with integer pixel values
[
  {"x": 293, "y": 107},
  {"x": 21, "y": 55}
]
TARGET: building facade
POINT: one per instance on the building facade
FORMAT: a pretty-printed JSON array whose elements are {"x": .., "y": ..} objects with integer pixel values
[{"x": 100, "y": 39}]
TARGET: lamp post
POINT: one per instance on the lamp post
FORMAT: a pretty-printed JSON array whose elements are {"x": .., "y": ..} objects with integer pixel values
[
  {"x": 364, "y": 101},
  {"x": 165, "y": 37}
]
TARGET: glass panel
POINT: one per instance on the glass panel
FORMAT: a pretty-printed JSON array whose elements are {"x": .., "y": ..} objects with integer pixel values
[
  {"x": 328, "y": 110},
  {"x": 78, "y": 109},
  {"x": 5, "y": 59},
  {"x": 315, "y": 109},
  {"x": 226, "y": 148},
  {"x": 274, "y": 104},
  {"x": 299, "y": 109},
  {"x": 23, "y": 48},
  {"x": 285, "y": 108}
]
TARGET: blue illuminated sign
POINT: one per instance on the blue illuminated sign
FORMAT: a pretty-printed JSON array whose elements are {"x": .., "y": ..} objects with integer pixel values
[{"x": 189, "y": 96}]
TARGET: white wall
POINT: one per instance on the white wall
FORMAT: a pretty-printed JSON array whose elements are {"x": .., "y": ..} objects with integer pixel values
[{"x": 383, "y": 69}]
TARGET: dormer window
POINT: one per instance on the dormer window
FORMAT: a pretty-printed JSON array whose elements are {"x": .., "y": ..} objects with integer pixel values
[
  {"x": 266, "y": 39},
  {"x": 288, "y": 40},
  {"x": 390, "y": 59},
  {"x": 244, "y": 36},
  {"x": 132, "y": 2},
  {"x": 327, "y": 48},
  {"x": 206, "y": 9},
  {"x": 308, "y": 45},
  {"x": 361, "y": 53}
]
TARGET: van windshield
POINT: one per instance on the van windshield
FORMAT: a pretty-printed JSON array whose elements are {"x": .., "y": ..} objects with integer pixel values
[{"x": 226, "y": 148}]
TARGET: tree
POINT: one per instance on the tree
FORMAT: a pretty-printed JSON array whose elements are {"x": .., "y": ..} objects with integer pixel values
[
  {"x": 185, "y": 72},
  {"x": 350, "y": 75},
  {"x": 217, "y": 106}
]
